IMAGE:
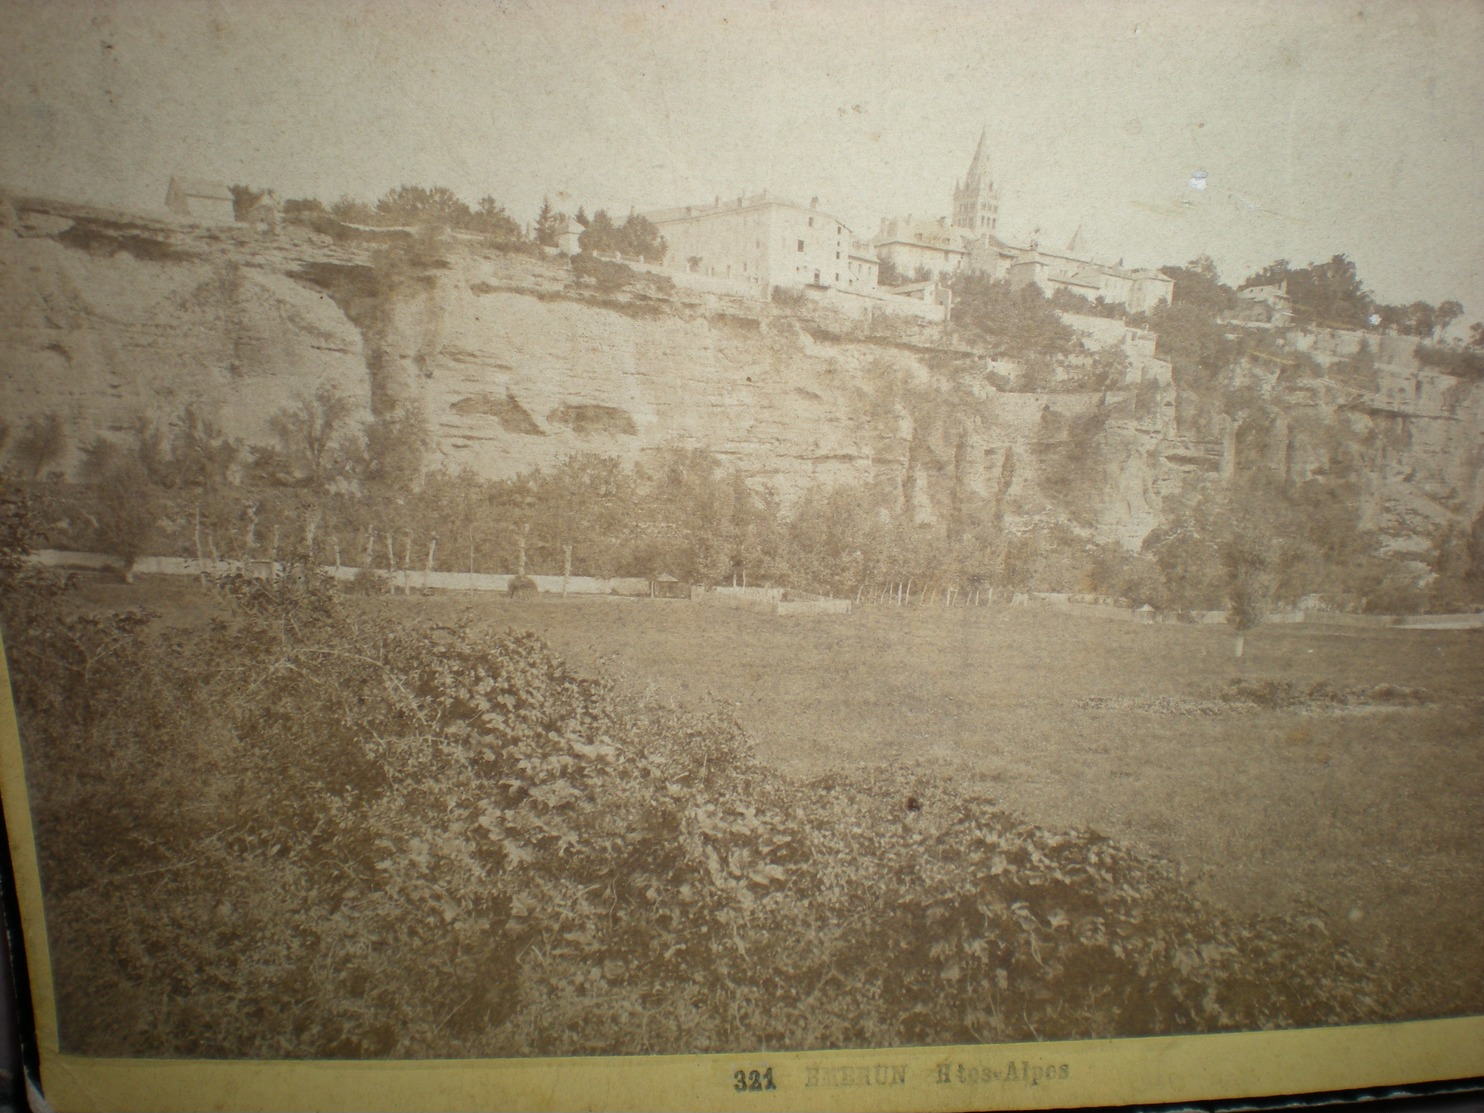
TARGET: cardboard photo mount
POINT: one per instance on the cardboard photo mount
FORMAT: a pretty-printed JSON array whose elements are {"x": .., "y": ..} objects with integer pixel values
[{"x": 1010, "y": 1076}]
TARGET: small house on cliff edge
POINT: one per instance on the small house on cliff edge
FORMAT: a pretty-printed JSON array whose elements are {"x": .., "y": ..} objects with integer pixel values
[
  {"x": 200, "y": 199},
  {"x": 569, "y": 237}
]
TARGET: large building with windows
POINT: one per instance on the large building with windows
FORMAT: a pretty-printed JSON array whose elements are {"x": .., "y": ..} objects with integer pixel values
[
  {"x": 765, "y": 242},
  {"x": 918, "y": 250}
]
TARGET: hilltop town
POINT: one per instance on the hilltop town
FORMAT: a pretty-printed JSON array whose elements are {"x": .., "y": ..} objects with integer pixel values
[{"x": 758, "y": 243}]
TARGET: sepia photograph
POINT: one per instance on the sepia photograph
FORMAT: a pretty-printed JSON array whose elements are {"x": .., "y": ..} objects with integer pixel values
[{"x": 628, "y": 529}]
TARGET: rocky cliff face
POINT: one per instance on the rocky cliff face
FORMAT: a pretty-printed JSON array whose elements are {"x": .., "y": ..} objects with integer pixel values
[{"x": 518, "y": 362}]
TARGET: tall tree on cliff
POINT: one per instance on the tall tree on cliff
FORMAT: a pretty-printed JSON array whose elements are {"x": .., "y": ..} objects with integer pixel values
[
  {"x": 600, "y": 236},
  {"x": 491, "y": 219},
  {"x": 1189, "y": 328},
  {"x": 1328, "y": 295},
  {"x": 1423, "y": 318},
  {"x": 1446, "y": 313},
  {"x": 639, "y": 237},
  {"x": 1017, "y": 323},
  {"x": 548, "y": 220},
  {"x": 1198, "y": 285},
  {"x": 418, "y": 205}
]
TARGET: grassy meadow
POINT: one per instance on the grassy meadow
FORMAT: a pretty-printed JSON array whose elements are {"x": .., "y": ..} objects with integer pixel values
[{"x": 1371, "y": 816}]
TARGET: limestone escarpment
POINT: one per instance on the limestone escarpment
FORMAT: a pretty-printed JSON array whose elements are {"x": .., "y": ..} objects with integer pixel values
[
  {"x": 104, "y": 320},
  {"x": 518, "y": 361}
]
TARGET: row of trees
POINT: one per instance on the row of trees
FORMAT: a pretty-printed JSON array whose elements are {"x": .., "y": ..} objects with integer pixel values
[
  {"x": 354, "y": 494},
  {"x": 636, "y": 237},
  {"x": 1331, "y": 295},
  {"x": 422, "y": 206},
  {"x": 415, "y": 206},
  {"x": 1324, "y": 295}
]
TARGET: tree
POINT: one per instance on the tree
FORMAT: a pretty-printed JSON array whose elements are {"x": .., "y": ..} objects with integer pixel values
[
  {"x": 492, "y": 219},
  {"x": 1448, "y": 312},
  {"x": 396, "y": 446},
  {"x": 418, "y": 205},
  {"x": 1256, "y": 544},
  {"x": 548, "y": 222},
  {"x": 352, "y": 211},
  {"x": 42, "y": 442},
  {"x": 1198, "y": 285},
  {"x": 310, "y": 429},
  {"x": 1422, "y": 318},
  {"x": 201, "y": 455},
  {"x": 1392, "y": 318},
  {"x": 1329, "y": 295},
  {"x": 600, "y": 236},
  {"x": 1019, "y": 323},
  {"x": 639, "y": 237},
  {"x": 125, "y": 505}
]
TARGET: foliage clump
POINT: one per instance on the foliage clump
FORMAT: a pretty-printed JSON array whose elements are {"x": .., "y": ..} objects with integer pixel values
[{"x": 302, "y": 830}]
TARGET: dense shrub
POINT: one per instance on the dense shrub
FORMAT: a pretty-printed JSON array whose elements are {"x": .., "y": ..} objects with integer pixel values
[
  {"x": 609, "y": 277},
  {"x": 1466, "y": 363},
  {"x": 300, "y": 831}
]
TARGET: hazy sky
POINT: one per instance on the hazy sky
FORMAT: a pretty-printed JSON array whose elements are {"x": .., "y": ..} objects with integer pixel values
[{"x": 1323, "y": 127}]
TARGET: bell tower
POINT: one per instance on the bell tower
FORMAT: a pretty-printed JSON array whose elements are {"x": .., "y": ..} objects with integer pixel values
[{"x": 976, "y": 205}]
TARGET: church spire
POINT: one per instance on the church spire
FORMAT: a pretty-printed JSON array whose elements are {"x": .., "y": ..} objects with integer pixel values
[
  {"x": 976, "y": 206},
  {"x": 979, "y": 168}
]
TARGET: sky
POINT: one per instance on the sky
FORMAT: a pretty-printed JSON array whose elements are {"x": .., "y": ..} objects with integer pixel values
[{"x": 1321, "y": 127}]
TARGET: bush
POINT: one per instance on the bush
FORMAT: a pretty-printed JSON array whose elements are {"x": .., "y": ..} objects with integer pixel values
[
  {"x": 520, "y": 586},
  {"x": 1465, "y": 363},
  {"x": 296, "y": 831},
  {"x": 367, "y": 581},
  {"x": 609, "y": 277}
]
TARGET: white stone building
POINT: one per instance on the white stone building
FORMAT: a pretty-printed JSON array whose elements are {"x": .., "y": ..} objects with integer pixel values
[
  {"x": 765, "y": 242},
  {"x": 913, "y": 247}
]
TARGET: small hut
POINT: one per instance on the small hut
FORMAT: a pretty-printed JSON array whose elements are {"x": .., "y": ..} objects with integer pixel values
[
  {"x": 200, "y": 199},
  {"x": 666, "y": 586},
  {"x": 567, "y": 236}
]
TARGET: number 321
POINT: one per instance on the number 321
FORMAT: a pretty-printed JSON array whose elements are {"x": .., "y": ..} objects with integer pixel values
[{"x": 749, "y": 1081}]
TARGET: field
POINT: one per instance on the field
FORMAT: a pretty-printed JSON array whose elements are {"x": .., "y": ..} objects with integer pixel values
[
  {"x": 288, "y": 791},
  {"x": 1370, "y": 816}
]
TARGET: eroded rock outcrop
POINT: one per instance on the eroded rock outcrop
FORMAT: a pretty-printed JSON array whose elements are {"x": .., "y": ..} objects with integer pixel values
[{"x": 519, "y": 362}]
